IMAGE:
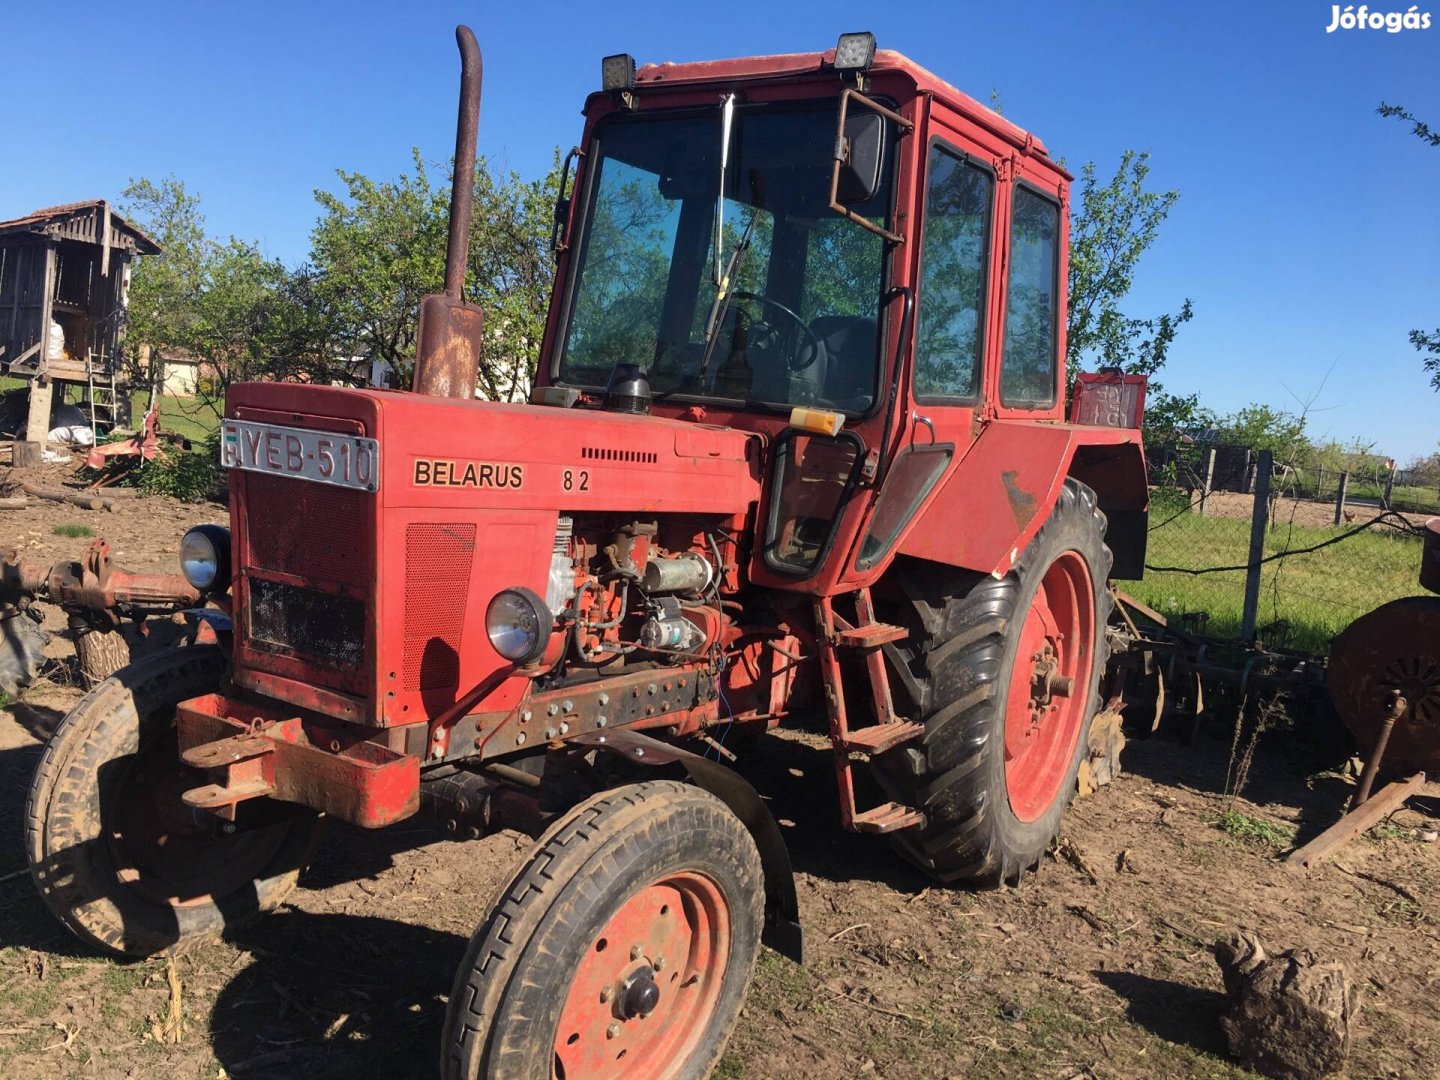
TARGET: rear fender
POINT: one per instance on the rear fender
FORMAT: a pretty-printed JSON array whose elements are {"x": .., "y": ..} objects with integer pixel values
[{"x": 1000, "y": 494}]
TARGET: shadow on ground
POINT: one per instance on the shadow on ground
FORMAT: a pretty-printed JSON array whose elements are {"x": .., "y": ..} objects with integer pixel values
[
  {"x": 1185, "y": 1015},
  {"x": 335, "y": 995}
]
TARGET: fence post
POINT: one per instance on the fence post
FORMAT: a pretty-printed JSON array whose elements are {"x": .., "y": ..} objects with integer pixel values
[
  {"x": 1389, "y": 489},
  {"x": 1340, "y": 490},
  {"x": 1259, "y": 519},
  {"x": 1207, "y": 475}
]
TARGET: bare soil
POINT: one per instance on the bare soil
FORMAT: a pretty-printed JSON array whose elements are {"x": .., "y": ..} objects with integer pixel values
[
  {"x": 1315, "y": 515},
  {"x": 1099, "y": 965}
]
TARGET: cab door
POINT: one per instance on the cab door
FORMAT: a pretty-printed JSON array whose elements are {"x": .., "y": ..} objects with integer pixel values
[{"x": 955, "y": 282}]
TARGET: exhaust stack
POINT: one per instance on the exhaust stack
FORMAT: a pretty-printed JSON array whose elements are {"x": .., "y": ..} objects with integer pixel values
[{"x": 447, "y": 346}]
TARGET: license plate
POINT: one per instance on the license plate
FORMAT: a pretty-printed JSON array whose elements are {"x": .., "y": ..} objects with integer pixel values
[{"x": 344, "y": 460}]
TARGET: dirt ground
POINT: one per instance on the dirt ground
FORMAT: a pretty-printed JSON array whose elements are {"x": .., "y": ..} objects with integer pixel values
[
  {"x": 1098, "y": 966},
  {"x": 1315, "y": 515}
]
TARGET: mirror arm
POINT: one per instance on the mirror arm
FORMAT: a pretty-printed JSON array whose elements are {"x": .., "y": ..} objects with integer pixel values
[
  {"x": 842, "y": 150},
  {"x": 563, "y": 202}
]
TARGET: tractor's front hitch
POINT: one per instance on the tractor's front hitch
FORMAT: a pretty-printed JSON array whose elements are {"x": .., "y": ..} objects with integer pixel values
[{"x": 249, "y": 753}]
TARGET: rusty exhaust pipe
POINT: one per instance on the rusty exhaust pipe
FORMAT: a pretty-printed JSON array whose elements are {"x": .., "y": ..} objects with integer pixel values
[{"x": 447, "y": 345}]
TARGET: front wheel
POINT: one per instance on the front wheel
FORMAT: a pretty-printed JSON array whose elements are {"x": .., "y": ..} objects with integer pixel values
[
  {"x": 117, "y": 857},
  {"x": 623, "y": 947}
]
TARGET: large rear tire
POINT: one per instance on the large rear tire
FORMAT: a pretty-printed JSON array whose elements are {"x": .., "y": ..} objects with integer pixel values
[
  {"x": 115, "y": 854},
  {"x": 623, "y": 947},
  {"x": 1004, "y": 673}
]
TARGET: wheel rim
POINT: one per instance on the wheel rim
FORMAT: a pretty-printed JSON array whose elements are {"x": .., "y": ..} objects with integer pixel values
[
  {"x": 647, "y": 986},
  {"x": 1049, "y": 687},
  {"x": 160, "y": 848}
]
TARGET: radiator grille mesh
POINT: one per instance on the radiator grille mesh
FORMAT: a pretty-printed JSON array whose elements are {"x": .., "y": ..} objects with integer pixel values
[
  {"x": 438, "y": 558},
  {"x": 307, "y": 529}
]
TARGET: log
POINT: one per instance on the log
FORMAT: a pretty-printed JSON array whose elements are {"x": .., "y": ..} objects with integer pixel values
[
  {"x": 24, "y": 454},
  {"x": 87, "y": 502},
  {"x": 16, "y": 502},
  {"x": 100, "y": 653}
]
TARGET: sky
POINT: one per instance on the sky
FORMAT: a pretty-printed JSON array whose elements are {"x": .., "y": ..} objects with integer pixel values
[{"x": 1307, "y": 232}]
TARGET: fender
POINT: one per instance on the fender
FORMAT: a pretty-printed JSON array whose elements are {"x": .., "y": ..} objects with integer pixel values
[
  {"x": 1002, "y": 491},
  {"x": 782, "y": 908}
]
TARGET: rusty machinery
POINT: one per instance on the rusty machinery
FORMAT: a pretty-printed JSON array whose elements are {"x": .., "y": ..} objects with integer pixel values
[
  {"x": 96, "y": 595},
  {"x": 747, "y": 490},
  {"x": 1385, "y": 681}
]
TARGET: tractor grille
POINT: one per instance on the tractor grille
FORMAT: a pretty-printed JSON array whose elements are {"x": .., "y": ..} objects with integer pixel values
[
  {"x": 438, "y": 558},
  {"x": 327, "y": 626},
  {"x": 307, "y": 529}
]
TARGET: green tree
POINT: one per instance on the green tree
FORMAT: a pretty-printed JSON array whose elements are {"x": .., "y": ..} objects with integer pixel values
[
  {"x": 1261, "y": 427},
  {"x": 1426, "y": 343},
  {"x": 379, "y": 246},
  {"x": 164, "y": 287},
  {"x": 1113, "y": 224}
]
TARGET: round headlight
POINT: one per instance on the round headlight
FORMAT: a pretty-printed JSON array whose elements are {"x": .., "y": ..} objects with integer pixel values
[
  {"x": 518, "y": 623},
  {"x": 205, "y": 557}
]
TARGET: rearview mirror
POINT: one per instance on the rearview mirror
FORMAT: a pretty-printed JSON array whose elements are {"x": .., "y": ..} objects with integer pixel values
[
  {"x": 862, "y": 150},
  {"x": 861, "y": 145}
]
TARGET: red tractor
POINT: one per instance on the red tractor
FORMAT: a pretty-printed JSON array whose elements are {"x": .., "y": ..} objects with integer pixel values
[{"x": 796, "y": 444}]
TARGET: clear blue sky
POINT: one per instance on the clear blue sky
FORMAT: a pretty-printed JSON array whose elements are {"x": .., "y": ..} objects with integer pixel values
[{"x": 1307, "y": 232}]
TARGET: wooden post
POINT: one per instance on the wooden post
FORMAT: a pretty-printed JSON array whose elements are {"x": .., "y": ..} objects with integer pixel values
[
  {"x": 1341, "y": 489},
  {"x": 1389, "y": 495},
  {"x": 1207, "y": 476},
  {"x": 37, "y": 427},
  {"x": 1259, "y": 519}
]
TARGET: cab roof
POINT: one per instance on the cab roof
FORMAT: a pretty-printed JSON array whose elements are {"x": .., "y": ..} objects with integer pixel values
[{"x": 799, "y": 65}]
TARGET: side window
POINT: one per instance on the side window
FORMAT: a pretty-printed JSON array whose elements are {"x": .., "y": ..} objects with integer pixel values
[
  {"x": 952, "y": 278},
  {"x": 1027, "y": 374}
]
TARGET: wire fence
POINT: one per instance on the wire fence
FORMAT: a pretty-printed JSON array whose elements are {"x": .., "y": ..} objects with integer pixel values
[{"x": 1239, "y": 549}]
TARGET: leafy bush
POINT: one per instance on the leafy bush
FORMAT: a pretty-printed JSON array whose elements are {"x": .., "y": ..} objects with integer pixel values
[{"x": 191, "y": 475}]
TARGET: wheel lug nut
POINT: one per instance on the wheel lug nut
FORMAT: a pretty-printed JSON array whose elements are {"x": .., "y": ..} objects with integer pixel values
[
  {"x": 659, "y": 963},
  {"x": 635, "y": 951},
  {"x": 612, "y": 1031},
  {"x": 607, "y": 993}
]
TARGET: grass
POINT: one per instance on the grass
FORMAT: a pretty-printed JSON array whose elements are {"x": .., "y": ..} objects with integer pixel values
[
  {"x": 1255, "y": 830},
  {"x": 73, "y": 531},
  {"x": 190, "y": 418},
  {"x": 1317, "y": 594}
]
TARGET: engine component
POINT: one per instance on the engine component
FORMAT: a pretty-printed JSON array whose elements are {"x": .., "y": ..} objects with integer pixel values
[
  {"x": 560, "y": 585},
  {"x": 688, "y": 572},
  {"x": 667, "y": 629}
]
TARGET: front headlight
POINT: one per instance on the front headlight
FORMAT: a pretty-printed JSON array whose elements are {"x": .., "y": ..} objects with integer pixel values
[
  {"x": 518, "y": 623},
  {"x": 205, "y": 558}
]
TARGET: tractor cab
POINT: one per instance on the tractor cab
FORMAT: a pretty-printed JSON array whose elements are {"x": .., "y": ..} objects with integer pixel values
[{"x": 837, "y": 251}]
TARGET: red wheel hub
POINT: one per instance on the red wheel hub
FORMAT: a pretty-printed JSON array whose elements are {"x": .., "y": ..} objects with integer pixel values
[
  {"x": 647, "y": 986},
  {"x": 1049, "y": 686}
]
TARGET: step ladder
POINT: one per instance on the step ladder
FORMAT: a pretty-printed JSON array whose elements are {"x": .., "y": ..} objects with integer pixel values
[
  {"x": 103, "y": 395},
  {"x": 890, "y": 731}
]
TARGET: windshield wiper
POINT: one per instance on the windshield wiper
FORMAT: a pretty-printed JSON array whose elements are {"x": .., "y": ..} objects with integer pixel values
[{"x": 721, "y": 305}]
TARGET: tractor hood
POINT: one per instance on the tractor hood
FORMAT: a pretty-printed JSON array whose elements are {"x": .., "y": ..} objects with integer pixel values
[{"x": 438, "y": 452}]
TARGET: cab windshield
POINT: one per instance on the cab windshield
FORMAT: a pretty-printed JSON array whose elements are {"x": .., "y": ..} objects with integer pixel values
[{"x": 796, "y": 322}]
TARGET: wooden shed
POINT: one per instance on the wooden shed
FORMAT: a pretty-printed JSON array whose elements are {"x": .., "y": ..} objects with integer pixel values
[{"x": 66, "y": 266}]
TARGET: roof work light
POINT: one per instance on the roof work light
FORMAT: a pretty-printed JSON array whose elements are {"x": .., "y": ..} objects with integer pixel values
[
  {"x": 617, "y": 73},
  {"x": 855, "y": 52}
]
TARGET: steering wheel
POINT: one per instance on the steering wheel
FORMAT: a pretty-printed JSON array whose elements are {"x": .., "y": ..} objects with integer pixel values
[{"x": 792, "y": 363}]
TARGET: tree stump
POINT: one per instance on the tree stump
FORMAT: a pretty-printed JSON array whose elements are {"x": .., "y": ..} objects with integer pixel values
[
  {"x": 1290, "y": 1015},
  {"x": 25, "y": 454},
  {"x": 1101, "y": 763},
  {"x": 100, "y": 653}
]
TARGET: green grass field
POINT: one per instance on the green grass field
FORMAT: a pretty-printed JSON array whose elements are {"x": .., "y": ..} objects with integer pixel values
[{"x": 1317, "y": 594}]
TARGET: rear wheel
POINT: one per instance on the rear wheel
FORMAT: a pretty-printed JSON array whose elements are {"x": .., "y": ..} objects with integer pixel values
[
  {"x": 1004, "y": 673},
  {"x": 116, "y": 855},
  {"x": 623, "y": 947}
]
